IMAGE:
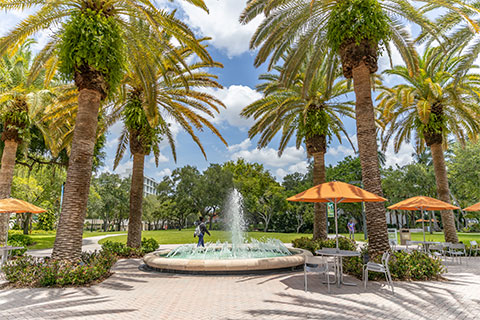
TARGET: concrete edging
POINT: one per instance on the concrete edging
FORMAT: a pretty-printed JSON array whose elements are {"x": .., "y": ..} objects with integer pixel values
[{"x": 197, "y": 265}]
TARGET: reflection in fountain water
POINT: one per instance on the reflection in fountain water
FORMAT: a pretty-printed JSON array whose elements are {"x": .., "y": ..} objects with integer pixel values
[{"x": 239, "y": 248}]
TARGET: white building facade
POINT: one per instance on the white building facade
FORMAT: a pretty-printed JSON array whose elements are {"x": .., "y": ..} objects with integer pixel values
[{"x": 149, "y": 186}]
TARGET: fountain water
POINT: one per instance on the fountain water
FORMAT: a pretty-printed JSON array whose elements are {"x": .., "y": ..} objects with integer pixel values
[
  {"x": 239, "y": 247},
  {"x": 240, "y": 254},
  {"x": 234, "y": 218}
]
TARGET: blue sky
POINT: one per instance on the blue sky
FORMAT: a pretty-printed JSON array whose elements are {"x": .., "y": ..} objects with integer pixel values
[{"x": 229, "y": 45}]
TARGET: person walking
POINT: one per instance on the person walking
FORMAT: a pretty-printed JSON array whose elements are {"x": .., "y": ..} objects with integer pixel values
[
  {"x": 351, "y": 229},
  {"x": 200, "y": 231}
]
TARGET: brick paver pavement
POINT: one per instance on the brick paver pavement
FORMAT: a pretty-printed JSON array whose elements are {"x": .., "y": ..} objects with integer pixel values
[{"x": 134, "y": 294}]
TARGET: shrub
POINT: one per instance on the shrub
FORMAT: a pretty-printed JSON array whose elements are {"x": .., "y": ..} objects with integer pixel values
[
  {"x": 21, "y": 238},
  {"x": 149, "y": 245},
  {"x": 474, "y": 227},
  {"x": 403, "y": 266},
  {"x": 45, "y": 272},
  {"x": 16, "y": 252},
  {"x": 121, "y": 250},
  {"x": 313, "y": 245}
]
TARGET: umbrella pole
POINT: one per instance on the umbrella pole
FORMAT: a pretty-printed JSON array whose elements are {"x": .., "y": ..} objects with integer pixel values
[
  {"x": 336, "y": 225},
  {"x": 423, "y": 226}
]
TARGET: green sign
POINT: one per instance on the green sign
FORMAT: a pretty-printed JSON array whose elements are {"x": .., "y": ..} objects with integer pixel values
[{"x": 330, "y": 210}]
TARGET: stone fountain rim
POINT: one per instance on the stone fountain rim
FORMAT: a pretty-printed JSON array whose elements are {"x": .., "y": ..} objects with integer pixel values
[{"x": 153, "y": 260}]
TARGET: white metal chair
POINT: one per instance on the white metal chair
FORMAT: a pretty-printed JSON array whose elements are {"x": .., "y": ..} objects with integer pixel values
[
  {"x": 393, "y": 244},
  {"x": 316, "y": 265},
  {"x": 379, "y": 267},
  {"x": 410, "y": 246},
  {"x": 456, "y": 250},
  {"x": 437, "y": 250},
  {"x": 474, "y": 247}
]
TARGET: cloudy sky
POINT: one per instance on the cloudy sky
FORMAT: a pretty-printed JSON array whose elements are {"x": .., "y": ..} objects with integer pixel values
[{"x": 229, "y": 45}]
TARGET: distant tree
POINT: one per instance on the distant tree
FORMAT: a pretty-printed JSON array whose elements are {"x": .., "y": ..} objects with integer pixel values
[
  {"x": 40, "y": 185},
  {"x": 113, "y": 192},
  {"x": 257, "y": 186},
  {"x": 212, "y": 190},
  {"x": 152, "y": 211}
]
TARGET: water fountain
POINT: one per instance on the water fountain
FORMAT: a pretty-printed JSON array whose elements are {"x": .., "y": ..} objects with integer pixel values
[{"x": 238, "y": 255}]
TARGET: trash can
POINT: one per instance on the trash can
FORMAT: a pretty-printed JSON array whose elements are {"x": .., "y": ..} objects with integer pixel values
[{"x": 405, "y": 236}]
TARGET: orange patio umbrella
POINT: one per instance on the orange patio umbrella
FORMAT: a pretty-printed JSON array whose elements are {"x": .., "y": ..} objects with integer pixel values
[
  {"x": 423, "y": 220},
  {"x": 475, "y": 207},
  {"x": 422, "y": 203},
  {"x": 11, "y": 205},
  {"x": 336, "y": 192}
]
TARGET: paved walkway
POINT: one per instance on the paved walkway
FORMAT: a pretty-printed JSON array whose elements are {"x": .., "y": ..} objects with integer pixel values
[
  {"x": 134, "y": 294},
  {"x": 88, "y": 244}
]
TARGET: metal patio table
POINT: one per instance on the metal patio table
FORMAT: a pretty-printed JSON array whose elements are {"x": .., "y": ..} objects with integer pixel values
[{"x": 338, "y": 255}]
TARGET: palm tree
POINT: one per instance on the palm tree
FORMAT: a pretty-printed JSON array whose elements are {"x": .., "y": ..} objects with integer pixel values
[
  {"x": 91, "y": 51},
  {"x": 435, "y": 101},
  {"x": 355, "y": 29},
  {"x": 25, "y": 97},
  {"x": 144, "y": 127},
  {"x": 313, "y": 113}
]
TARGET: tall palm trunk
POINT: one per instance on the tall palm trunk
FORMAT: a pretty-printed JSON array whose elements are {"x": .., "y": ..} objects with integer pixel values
[
  {"x": 320, "y": 217},
  {"x": 68, "y": 242},
  {"x": 134, "y": 238},
  {"x": 6, "y": 177},
  {"x": 358, "y": 62},
  {"x": 448, "y": 218},
  {"x": 367, "y": 146}
]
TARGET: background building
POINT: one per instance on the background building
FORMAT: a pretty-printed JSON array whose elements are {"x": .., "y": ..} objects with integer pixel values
[{"x": 149, "y": 186}]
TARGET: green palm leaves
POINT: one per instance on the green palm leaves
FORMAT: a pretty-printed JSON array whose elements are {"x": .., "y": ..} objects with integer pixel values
[
  {"x": 156, "y": 93},
  {"x": 26, "y": 98},
  {"x": 434, "y": 101},
  {"x": 295, "y": 110}
]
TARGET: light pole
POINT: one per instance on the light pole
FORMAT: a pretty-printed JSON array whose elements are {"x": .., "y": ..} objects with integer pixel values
[{"x": 364, "y": 218}]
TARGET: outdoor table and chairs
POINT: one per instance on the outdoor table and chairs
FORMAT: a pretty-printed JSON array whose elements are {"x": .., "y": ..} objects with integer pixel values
[
  {"x": 338, "y": 256},
  {"x": 425, "y": 244}
]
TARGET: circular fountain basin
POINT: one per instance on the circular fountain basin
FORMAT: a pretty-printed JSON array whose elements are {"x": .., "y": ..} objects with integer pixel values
[{"x": 159, "y": 261}]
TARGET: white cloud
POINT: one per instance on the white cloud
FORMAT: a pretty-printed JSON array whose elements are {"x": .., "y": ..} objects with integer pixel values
[
  {"x": 162, "y": 173},
  {"x": 292, "y": 159},
  {"x": 124, "y": 169},
  {"x": 235, "y": 98},
  {"x": 267, "y": 156},
  {"x": 301, "y": 167},
  {"x": 403, "y": 157},
  {"x": 151, "y": 160},
  {"x": 340, "y": 151},
  {"x": 245, "y": 144},
  {"x": 222, "y": 24}
]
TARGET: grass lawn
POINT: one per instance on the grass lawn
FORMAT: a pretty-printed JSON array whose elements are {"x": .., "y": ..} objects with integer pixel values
[
  {"x": 186, "y": 236},
  {"x": 45, "y": 239}
]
